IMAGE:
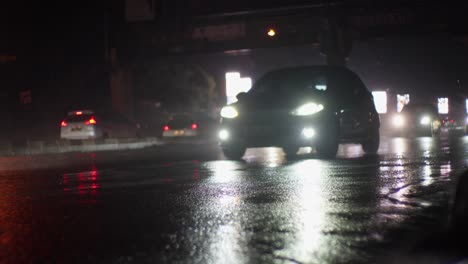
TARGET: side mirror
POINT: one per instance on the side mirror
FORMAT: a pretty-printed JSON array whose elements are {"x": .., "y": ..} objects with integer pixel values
[{"x": 241, "y": 96}]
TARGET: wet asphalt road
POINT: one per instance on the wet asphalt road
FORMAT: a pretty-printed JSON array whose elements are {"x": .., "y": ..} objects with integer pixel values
[{"x": 183, "y": 203}]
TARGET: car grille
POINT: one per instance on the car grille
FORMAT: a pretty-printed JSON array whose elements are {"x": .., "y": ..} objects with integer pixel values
[{"x": 268, "y": 124}]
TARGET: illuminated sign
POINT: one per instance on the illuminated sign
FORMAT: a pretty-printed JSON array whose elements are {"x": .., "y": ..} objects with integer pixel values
[
  {"x": 402, "y": 100},
  {"x": 443, "y": 105},
  {"x": 235, "y": 85},
  {"x": 466, "y": 106},
  {"x": 380, "y": 101}
]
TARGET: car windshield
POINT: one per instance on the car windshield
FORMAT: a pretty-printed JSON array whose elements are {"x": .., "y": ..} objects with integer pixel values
[
  {"x": 79, "y": 118},
  {"x": 286, "y": 82},
  {"x": 280, "y": 87}
]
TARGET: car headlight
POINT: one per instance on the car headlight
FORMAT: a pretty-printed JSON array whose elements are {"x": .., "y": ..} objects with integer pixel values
[
  {"x": 425, "y": 120},
  {"x": 229, "y": 112},
  {"x": 398, "y": 121},
  {"x": 307, "y": 109}
]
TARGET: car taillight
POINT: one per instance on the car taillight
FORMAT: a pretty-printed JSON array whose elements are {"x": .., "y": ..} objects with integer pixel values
[
  {"x": 63, "y": 124},
  {"x": 91, "y": 121},
  {"x": 194, "y": 126},
  {"x": 166, "y": 128}
]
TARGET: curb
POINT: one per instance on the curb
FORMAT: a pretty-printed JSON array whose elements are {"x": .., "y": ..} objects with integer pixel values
[{"x": 64, "y": 146}]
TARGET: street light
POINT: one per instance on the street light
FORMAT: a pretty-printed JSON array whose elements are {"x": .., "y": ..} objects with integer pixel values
[{"x": 271, "y": 32}]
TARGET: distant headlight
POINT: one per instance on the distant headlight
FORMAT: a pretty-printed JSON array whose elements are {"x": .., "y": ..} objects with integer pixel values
[
  {"x": 307, "y": 109},
  {"x": 229, "y": 112},
  {"x": 223, "y": 134},
  {"x": 425, "y": 120},
  {"x": 398, "y": 121},
  {"x": 308, "y": 132}
]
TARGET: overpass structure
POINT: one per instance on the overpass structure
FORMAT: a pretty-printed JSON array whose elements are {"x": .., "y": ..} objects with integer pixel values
[
  {"x": 195, "y": 27},
  {"x": 155, "y": 29}
]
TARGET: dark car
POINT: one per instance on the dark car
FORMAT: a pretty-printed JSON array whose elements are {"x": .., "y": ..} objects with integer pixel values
[
  {"x": 316, "y": 106},
  {"x": 456, "y": 120},
  {"x": 417, "y": 120},
  {"x": 181, "y": 125},
  {"x": 189, "y": 125},
  {"x": 455, "y": 123}
]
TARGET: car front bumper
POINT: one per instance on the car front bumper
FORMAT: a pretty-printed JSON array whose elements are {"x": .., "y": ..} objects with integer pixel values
[
  {"x": 79, "y": 135},
  {"x": 291, "y": 131}
]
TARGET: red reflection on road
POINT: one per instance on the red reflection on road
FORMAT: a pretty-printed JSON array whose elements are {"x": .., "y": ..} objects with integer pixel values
[
  {"x": 196, "y": 172},
  {"x": 85, "y": 183}
]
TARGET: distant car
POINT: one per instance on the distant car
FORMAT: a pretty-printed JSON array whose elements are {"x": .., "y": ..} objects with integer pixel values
[
  {"x": 86, "y": 124},
  {"x": 417, "y": 120},
  {"x": 453, "y": 123},
  {"x": 457, "y": 124},
  {"x": 456, "y": 119},
  {"x": 181, "y": 126},
  {"x": 313, "y": 106}
]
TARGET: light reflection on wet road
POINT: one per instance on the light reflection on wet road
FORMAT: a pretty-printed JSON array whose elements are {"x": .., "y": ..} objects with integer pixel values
[{"x": 266, "y": 209}]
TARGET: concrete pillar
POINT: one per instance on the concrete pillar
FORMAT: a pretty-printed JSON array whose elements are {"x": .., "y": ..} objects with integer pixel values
[
  {"x": 335, "y": 38},
  {"x": 121, "y": 85}
]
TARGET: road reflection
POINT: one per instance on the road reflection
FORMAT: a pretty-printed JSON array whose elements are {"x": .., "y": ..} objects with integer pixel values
[
  {"x": 11, "y": 220},
  {"x": 217, "y": 228},
  {"x": 269, "y": 205},
  {"x": 427, "y": 175},
  {"x": 405, "y": 178},
  {"x": 309, "y": 204},
  {"x": 295, "y": 210},
  {"x": 265, "y": 157},
  {"x": 84, "y": 183}
]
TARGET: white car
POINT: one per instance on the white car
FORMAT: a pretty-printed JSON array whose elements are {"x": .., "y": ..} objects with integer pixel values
[
  {"x": 80, "y": 124},
  {"x": 86, "y": 124}
]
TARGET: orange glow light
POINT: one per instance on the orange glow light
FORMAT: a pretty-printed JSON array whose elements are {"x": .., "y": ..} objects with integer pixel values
[{"x": 271, "y": 32}]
